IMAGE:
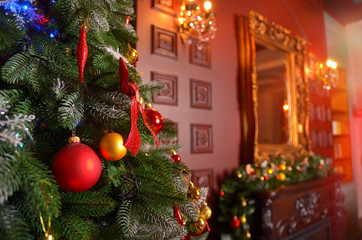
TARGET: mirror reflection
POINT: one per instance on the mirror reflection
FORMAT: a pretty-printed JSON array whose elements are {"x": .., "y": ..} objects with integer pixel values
[{"x": 272, "y": 95}]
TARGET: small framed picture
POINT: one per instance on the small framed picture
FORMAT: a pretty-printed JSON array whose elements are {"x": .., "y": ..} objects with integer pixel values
[
  {"x": 201, "y": 138},
  {"x": 203, "y": 178},
  {"x": 166, "y": 6},
  {"x": 200, "y": 54},
  {"x": 200, "y": 94},
  {"x": 169, "y": 95},
  {"x": 164, "y": 42}
]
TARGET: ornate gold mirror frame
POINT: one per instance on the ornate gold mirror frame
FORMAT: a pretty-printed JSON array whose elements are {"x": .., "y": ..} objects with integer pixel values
[{"x": 252, "y": 29}]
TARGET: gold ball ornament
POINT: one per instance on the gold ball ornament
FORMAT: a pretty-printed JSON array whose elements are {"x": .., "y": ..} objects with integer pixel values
[
  {"x": 193, "y": 194},
  {"x": 198, "y": 226},
  {"x": 205, "y": 211},
  {"x": 111, "y": 147},
  {"x": 132, "y": 55},
  {"x": 281, "y": 176},
  {"x": 243, "y": 219}
]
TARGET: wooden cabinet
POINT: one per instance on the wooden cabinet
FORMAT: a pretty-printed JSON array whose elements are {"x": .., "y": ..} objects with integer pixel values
[
  {"x": 311, "y": 210},
  {"x": 340, "y": 128}
]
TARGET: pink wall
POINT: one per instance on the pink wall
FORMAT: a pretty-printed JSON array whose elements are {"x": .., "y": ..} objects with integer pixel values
[{"x": 224, "y": 115}]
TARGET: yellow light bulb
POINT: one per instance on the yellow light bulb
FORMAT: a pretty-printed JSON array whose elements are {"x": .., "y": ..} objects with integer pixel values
[
  {"x": 285, "y": 107},
  {"x": 207, "y": 5},
  {"x": 329, "y": 63},
  {"x": 334, "y": 65}
]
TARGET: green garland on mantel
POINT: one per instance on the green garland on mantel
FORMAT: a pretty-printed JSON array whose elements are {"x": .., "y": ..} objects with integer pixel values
[{"x": 236, "y": 202}]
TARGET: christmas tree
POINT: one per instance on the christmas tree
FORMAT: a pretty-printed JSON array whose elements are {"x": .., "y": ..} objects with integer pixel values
[{"x": 67, "y": 71}]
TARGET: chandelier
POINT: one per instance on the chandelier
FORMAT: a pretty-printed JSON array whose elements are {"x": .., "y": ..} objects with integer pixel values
[
  {"x": 195, "y": 22},
  {"x": 327, "y": 74}
]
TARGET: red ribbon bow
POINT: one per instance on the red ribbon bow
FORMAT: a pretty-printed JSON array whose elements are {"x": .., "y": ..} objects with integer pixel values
[{"x": 133, "y": 142}]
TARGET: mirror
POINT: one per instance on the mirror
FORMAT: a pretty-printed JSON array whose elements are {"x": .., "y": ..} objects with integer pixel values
[
  {"x": 274, "y": 100},
  {"x": 272, "y": 95}
]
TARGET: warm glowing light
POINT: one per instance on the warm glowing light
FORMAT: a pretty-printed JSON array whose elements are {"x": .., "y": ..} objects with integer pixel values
[
  {"x": 207, "y": 5},
  {"x": 285, "y": 107},
  {"x": 283, "y": 167},
  {"x": 331, "y": 64},
  {"x": 334, "y": 65},
  {"x": 196, "y": 22},
  {"x": 270, "y": 171},
  {"x": 300, "y": 127},
  {"x": 327, "y": 74}
]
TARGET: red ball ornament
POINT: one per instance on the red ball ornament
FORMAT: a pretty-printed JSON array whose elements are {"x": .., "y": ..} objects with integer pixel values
[
  {"x": 175, "y": 157},
  {"x": 76, "y": 167},
  {"x": 235, "y": 222},
  {"x": 154, "y": 118}
]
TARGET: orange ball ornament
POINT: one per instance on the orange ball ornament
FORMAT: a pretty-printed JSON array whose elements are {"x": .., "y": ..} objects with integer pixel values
[{"x": 111, "y": 147}]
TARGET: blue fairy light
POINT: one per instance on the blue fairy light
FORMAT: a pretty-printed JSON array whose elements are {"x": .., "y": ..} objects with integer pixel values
[{"x": 51, "y": 35}]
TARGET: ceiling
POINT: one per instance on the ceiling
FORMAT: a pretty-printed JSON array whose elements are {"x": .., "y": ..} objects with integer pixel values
[{"x": 344, "y": 11}]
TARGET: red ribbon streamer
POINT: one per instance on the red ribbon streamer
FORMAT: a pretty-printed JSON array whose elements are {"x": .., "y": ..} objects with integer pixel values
[
  {"x": 124, "y": 79},
  {"x": 207, "y": 229},
  {"x": 133, "y": 142}
]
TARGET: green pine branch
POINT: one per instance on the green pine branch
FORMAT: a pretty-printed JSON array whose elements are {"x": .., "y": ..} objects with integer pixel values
[
  {"x": 39, "y": 186},
  {"x": 9, "y": 176},
  {"x": 12, "y": 226},
  {"x": 10, "y": 31},
  {"x": 71, "y": 226},
  {"x": 86, "y": 204}
]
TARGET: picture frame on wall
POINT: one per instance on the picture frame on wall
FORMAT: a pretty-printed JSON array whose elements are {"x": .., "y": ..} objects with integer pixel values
[
  {"x": 201, "y": 138},
  {"x": 169, "y": 95},
  {"x": 200, "y": 54},
  {"x": 164, "y": 42},
  {"x": 201, "y": 96},
  {"x": 203, "y": 178},
  {"x": 166, "y": 6}
]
